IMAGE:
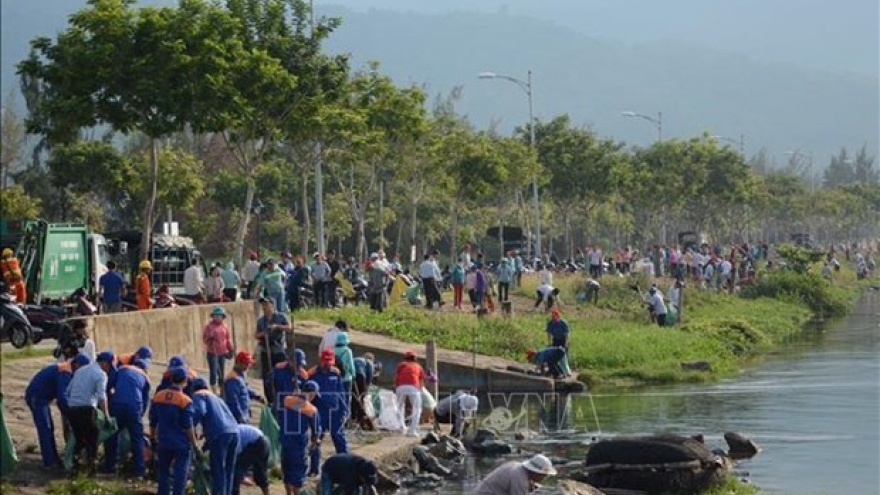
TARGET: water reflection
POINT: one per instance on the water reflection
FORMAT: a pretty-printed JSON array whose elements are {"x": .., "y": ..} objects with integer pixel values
[{"x": 814, "y": 407}]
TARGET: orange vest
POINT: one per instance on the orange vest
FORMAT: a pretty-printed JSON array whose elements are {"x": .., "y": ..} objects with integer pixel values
[{"x": 11, "y": 270}]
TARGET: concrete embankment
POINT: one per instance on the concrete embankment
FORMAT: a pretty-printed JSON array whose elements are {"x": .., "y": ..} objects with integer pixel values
[{"x": 178, "y": 332}]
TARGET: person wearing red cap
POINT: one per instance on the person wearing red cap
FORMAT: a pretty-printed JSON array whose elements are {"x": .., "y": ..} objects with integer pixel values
[
  {"x": 236, "y": 391},
  {"x": 408, "y": 383},
  {"x": 558, "y": 332},
  {"x": 547, "y": 360},
  {"x": 332, "y": 405}
]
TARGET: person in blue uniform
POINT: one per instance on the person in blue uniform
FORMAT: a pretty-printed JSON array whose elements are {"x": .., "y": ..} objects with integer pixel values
[
  {"x": 171, "y": 427},
  {"x": 365, "y": 368},
  {"x": 548, "y": 360},
  {"x": 252, "y": 455},
  {"x": 353, "y": 473},
  {"x": 178, "y": 362},
  {"x": 131, "y": 395},
  {"x": 144, "y": 352},
  {"x": 236, "y": 391},
  {"x": 50, "y": 384},
  {"x": 288, "y": 376},
  {"x": 300, "y": 432},
  {"x": 332, "y": 405},
  {"x": 221, "y": 435}
]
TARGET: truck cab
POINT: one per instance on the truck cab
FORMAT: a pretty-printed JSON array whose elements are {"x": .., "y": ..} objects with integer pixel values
[{"x": 170, "y": 256}]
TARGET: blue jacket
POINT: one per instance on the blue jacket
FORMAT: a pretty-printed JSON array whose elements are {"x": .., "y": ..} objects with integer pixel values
[
  {"x": 558, "y": 330},
  {"x": 248, "y": 435},
  {"x": 238, "y": 395},
  {"x": 171, "y": 415},
  {"x": 364, "y": 368},
  {"x": 287, "y": 379},
  {"x": 166, "y": 381},
  {"x": 332, "y": 394},
  {"x": 298, "y": 418},
  {"x": 131, "y": 389},
  {"x": 213, "y": 414},
  {"x": 50, "y": 383}
]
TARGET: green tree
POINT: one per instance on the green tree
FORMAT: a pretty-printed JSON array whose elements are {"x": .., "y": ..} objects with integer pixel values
[{"x": 16, "y": 203}]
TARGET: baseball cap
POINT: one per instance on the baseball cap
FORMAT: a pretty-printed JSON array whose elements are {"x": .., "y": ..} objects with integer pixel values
[
  {"x": 245, "y": 357},
  {"x": 176, "y": 362},
  {"x": 82, "y": 360},
  {"x": 144, "y": 352},
  {"x": 410, "y": 354},
  {"x": 328, "y": 356},
  {"x": 312, "y": 386},
  {"x": 178, "y": 373},
  {"x": 141, "y": 363},
  {"x": 199, "y": 384},
  {"x": 106, "y": 357}
]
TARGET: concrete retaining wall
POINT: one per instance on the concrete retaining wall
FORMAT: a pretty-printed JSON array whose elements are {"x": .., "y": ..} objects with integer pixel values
[{"x": 178, "y": 331}]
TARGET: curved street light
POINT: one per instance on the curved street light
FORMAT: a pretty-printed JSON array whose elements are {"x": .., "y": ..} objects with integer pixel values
[
  {"x": 526, "y": 86},
  {"x": 741, "y": 142},
  {"x": 656, "y": 121}
]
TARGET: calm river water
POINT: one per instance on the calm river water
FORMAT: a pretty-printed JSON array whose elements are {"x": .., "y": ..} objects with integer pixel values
[{"x": 814, "y": 408}]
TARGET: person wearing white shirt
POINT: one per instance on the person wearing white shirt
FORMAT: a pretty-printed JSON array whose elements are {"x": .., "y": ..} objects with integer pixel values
[
  {"x": 430, "y": 275},
  {"x": 546, "y": 276},
  {"x": 332, "y": 335},
  {"x": 658, "y": 307},
  {"x": 249, "y": 273},
  {"x": 193, "y": 280}
]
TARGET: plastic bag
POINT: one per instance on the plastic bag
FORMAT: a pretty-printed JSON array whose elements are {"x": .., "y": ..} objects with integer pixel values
[
  {"x": 8, "y": 457},
  {"x": 428, "y": 401},
  {"x": 269, "y": 427},
  {"x": 106, "y": 429},
  {"x": 389, "y": 415},
  {"x": 201, "y": 476}
]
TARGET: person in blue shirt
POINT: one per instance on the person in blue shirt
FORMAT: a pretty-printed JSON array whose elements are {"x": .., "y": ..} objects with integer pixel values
[
  {"x": 171, "y": 427},
  {"x": 271, "y": 336},
  {"x": 332, "y": 404},
  {"x": 548, "y": 359},
  {"x": 112, "y": 289},
  {"x": 50, "y": 384},
  {"x": 353, "y": 473},
  {"x": 221, "y": 435},
  {"x": 365, "y": 368},
  {"x": 144, "y": 352},
  {"x": 288, "y": 376},
  {"x": 252, "y": 456},
  {"x": 236, "y": 391},
  {"x": 300, "y": 431},
  {"x": 558, "y": 332},
  {"x": 178, "y": 362},
  {"x": 131, "y": 395}
]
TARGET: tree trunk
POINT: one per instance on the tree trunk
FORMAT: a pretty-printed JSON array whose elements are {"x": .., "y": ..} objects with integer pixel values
[
  {"x": 453, "y": 231},
  {"x": 361, "y": 236},
  {"x": 398, "y": 244},
  {"x": 307, "y": 222},
  {"x": 501, "y": 225},
  {"x": 412, "y": 232},
  {"x": 245, "y": 219},
  {"x": 147, "y": 226}
]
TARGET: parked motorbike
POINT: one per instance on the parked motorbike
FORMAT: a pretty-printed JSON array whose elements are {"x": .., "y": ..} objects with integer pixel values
[
  {"x": 306, "y": 296},
  {"x": 14, "y": 325},
  {"x": 84, "y": 307},
  {"x": 360, "y": 291}
]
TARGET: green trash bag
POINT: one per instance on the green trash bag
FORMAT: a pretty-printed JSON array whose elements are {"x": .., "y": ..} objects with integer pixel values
[
  {"x": 106, "y": 429},
  {"x": 201, "y": 475},
  {"x": 8, "y": 457},
  {"x": 671, "y": 316},
  {"x": 269, "y": 427}
]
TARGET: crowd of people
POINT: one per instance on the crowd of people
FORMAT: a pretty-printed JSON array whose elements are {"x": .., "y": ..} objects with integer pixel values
[{"x": 188, "y": 416}]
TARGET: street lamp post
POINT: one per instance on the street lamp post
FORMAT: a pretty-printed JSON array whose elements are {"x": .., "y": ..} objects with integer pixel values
[
  {"x": 527, "y": 87},
  {"x": 656, "y": 121}
]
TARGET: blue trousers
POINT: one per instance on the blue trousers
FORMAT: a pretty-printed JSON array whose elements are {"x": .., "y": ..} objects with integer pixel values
[
  {"x": 293, "y": 459},
  {"x": 45, "y": 431},
  {"x": 222, "y": 460},
  {"x": 216, "y": 369},
  {"x": 127, "y": 419},
  {"x": 172, "y": 463},
  {"x": 333, "y": 422}
]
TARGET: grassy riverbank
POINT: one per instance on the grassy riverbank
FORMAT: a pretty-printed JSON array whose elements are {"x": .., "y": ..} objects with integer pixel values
[{"x": 612, "y": 342}]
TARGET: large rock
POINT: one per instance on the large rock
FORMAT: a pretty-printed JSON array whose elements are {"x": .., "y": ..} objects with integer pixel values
[
  {"x": 447, "y": 448},
  {"x": 655, "y": 464},
  {"x": 484, "y": 435},
  {"x": 492, "y": 447},
  {"x": 424, "y": 482},
  {"x": 740, "y": 447},
  {"x": 386, "y": 483},
  {"x": 431, "y": 438},
  {"x": 428, "y": 463}
]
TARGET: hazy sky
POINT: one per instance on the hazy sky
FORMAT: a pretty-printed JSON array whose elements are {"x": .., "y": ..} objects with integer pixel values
[{"x": 835, "y": 35}]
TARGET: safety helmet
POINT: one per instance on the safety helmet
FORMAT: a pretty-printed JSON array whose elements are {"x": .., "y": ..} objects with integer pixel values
[
  {"x": 7, "y": 252},
  {"x": 145, "y": 265}
]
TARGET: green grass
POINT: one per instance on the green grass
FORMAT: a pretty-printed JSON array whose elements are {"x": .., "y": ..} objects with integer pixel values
[
  {"x": 612, "y": 342},
  {"x": 24, "y": 353}
]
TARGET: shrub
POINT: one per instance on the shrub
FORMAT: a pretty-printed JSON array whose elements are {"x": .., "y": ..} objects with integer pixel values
[{"x": 810, "y": 289}]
